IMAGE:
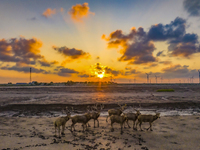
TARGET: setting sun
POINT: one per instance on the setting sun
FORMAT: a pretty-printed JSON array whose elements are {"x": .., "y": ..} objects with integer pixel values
[{"x": 100, "y": 74}]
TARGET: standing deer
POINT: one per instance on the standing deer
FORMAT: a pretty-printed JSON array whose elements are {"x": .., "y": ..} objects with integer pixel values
[
  {"x": 132, "y": 116},
  {"x": 61, "y": 121},
  {"x": 117, "y": 112},
  {"x": 147, "y": 118},
  {"x": 95, "y": 114}
]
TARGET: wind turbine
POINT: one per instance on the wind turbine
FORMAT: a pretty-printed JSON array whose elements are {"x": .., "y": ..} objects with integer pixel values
[
  {"x": 148, "y": 77},
  {"x": 192, "y": 79}
]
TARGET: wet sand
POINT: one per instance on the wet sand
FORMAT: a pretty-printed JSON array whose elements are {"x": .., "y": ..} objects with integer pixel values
[
  {"x": 27, "y": 115},
  {"x": 177, "y": 132}
]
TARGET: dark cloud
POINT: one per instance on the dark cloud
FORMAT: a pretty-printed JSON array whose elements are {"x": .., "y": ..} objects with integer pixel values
[
  {"x": 160, "y": 53},
  {"x": 180, "y": 43},
  {"x": 184, "y": 46},
  {"x": 136, "y": 48},
  {"x": 65, "y": 71},
  {"x": 72, "y": 54},
  {"x": 130, "y": 71},
  {"x": 84, "y": 76},
  {"x": 45, "y": 63},
  {"x": 160, "y": 32},
  {"x": 25, "y": 51},
  {"x": 167, "y": 62},
  {"x": 112, "y": 71},
  {"x": 25, "y": 69},
  {"x": 178, "y": 71},
  {"x": 192, "y": 7}
]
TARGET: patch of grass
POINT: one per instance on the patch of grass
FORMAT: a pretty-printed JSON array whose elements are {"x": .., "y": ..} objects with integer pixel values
[{"x": 165, "y": 90}]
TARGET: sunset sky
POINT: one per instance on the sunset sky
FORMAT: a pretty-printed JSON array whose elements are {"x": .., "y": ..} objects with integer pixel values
[{"x": 80, "y": 40}]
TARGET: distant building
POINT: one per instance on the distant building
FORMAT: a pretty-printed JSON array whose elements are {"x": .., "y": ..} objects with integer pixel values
[{"x": 21, "y": 83}]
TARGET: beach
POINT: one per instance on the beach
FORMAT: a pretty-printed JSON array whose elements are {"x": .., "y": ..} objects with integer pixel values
[
  {"x": 177, "y": 132},
  {"x": 27, "y": 115}
]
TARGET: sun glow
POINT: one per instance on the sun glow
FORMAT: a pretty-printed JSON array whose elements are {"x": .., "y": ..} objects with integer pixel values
[
  {"x": 98, "y": 71},
  {"x": 100, "y": 74}
]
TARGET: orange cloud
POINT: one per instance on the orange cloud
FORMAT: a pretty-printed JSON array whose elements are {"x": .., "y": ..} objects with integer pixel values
[
  {"x": 49, "y": 12},
  {"x": 78, "y": 12}
]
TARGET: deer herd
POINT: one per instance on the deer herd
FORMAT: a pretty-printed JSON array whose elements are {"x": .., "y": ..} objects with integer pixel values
[{"x": 116, "y": 116}]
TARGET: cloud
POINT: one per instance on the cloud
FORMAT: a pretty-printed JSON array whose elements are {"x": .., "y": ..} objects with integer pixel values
[
  {"x": 20, "y": 50},
  {"x": 130, "y": 71},
  {"x": 107, "y": 71},
  {"x": 160, "y": 32},
  {"x": 184, "y": 46},
  {"x": 25, "y": 69},
  {"x": 49, "y": 12},
  {"x": 178, "y": 71},
  {"x": 23, "y": 52},
  {"x": 135, "y": 47},
  {"x": 45, "y": 63},
  {"x": 78, "y": 12},
  {"x": 192, "y": 7},
  {"x": 180, "y": 43},
  {"x": 167, "y": 62},
  {"x": 66, "y": 71},
  {"x": 72, "y": 54},
  {"x": 160, "y": 53},
  {"x": 84, "y": 75},
  {"x": 112, "y": 71}
]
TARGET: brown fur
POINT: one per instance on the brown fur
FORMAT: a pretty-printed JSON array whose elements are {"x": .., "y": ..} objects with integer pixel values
[{"x": 147, "y": 118}]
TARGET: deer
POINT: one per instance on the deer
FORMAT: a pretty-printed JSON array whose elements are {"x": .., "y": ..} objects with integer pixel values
[
  {"x": 61, "y": 121},
  {"x": 117, "y": 112},
  {"x": 95, "y": 114},
  {"x": 118, "y": 119},
  {"x": 147, "y": 118},
  {"x": 132, "y": 116}
]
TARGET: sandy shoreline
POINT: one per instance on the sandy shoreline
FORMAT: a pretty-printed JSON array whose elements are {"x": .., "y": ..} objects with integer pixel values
[
  {"x": 27, "y": 115},
  {"x": 175, "y": 132}
]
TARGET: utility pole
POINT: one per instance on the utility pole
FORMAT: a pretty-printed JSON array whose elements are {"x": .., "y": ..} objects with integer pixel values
[
  {"x": 30, "y": 75},
  {"x": 199, "y": 75}
]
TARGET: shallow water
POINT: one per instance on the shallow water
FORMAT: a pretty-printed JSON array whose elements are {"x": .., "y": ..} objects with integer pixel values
[{"x": 106, "y": 95}]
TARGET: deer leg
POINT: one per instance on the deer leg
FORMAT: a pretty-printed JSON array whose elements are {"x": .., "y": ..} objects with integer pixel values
[
  {"x": 128, "y": 124},
  {"x": 107, "y": 118},
  {"x": 112, "y": 129},
  {"x": 98, "y": 122},
  {"x": 121, "y": 127},
  {"x": 133, "y": 124},
  {"x": 59, "y": 131},
  {"x": 63, "y": 129},
  {"x": 140, "y": 126},
  {"x": 137, "y": 124},
  {"x": 55, "y": 131}
]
